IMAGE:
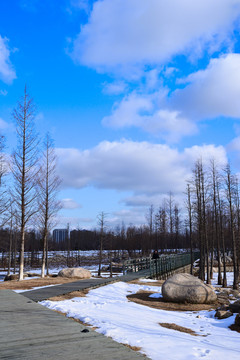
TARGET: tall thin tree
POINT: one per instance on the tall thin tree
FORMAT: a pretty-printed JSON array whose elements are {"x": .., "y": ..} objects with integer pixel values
[
  {"x": 24, "y": 167},
  {"x": 48, "y": 186},
  {"x": 102, "y": 224}
]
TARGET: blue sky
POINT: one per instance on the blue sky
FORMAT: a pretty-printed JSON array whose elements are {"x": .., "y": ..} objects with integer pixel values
[{"x": 132, "y": 91}]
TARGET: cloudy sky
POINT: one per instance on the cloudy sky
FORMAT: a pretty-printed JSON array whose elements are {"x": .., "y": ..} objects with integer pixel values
[{"x": 132, "y": 91}]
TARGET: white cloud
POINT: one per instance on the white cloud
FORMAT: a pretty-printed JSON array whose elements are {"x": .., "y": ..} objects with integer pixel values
[
  {"x": 7, "y": 73},
  {"x": 69, "y": 204},
  {"x": 3, "y": 92},
  {"x": 120, "y": 33},
  {"x": 140, "y": 167},
  {"x": 80, "y": 4},
  {"x": 212, "y": 92},
  {"x": 143, "y": 111},
  {"x": 135, "y": 216},
  {"x": 3, "y": 124},
  {"x": 114, "y": 88},
  {"x": 128, "y": 112}
]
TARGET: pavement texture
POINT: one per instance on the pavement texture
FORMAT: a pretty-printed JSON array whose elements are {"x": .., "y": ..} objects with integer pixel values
[
  {"x": 29, "y": 331},
  {"x": 56, "y": 290}
]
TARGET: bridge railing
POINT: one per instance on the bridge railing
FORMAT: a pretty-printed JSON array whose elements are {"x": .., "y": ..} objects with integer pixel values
[{"x": 157, "y": 267}]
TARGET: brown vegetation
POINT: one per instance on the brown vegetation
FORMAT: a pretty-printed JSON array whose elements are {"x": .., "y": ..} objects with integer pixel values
[
  {"x": 173, "y": 326},
  {"x": 29, "y": 284},
  {"x": 142, "y": 297},
  {"x": 70, "y": 295}
]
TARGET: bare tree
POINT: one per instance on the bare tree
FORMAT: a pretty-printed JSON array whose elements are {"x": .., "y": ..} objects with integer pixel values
[
  {"x": 3, "y": 191},
  {"x": 102, "y": 224},
  {"x": 215, "y": 184},
  {"x": 149, "y": 218},
  {"x": 221, "y": 217},
  {"x": 24, "y": 167},
  {"x": 190, "y": 222},
  {"x": 2, "y": 162},
  {"x": 230, "y": 182},
  {"x": 170, "y": 210},
  {"x": 48, "y": 187}
]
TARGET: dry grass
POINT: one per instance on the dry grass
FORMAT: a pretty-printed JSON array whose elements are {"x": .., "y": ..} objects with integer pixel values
[
  {"x": 142, "y": 297},
  {"x": 173, "y": 326},
  {"x": 70, "y": 295},
  {"x": 30, "y": 283},
  {"x": 135, "y": 348}
]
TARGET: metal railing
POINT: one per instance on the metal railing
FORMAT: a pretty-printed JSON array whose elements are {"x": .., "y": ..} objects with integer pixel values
[{"x": 158, "y": 267}]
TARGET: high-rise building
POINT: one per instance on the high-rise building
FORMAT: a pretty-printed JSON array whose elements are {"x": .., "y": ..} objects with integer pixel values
[{"x": 60, "y": 235}]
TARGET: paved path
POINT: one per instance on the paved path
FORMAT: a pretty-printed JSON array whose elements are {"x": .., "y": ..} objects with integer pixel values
[
  {"x": 29, "y": 331},
  {"x": 47, "y": 292}
]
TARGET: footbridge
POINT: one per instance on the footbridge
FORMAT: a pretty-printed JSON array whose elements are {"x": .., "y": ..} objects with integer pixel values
[{"x": 163, "y": 267}]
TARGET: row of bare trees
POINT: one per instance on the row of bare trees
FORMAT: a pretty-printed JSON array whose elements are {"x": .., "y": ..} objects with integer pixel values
[
  {"x": 31, "y": 197},
  {"x": 214, "y": 216}
]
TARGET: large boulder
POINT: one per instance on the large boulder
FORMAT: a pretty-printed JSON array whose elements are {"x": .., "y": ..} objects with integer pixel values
[
  {"x": 79, "y": 273},
  {"x": 182, "y": 288}
]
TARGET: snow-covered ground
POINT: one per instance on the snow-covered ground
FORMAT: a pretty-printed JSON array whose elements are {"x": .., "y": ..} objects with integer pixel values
[{"x": 108, "y": 309}]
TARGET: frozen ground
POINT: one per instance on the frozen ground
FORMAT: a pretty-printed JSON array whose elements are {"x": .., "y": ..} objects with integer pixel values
[{"x": 108, "y": 309}]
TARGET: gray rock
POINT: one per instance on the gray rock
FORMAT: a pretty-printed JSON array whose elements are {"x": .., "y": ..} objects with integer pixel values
[
  {"x": 78, "y": 273},
  {"x": 14, "y": 277},
  {"x": 11, "y": 277},
  {"x": 235, "y": 293},
  {"x": 223, "y": 307},
  {"x": 223, "y": 314},
  {"x": 235, "y": 307},
  {"x": 187, "y": 288},
  {"x": 228, "y": 259}
]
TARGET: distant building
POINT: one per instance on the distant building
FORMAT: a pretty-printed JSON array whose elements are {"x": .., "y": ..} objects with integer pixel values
[{"x": 60, "y": 235}]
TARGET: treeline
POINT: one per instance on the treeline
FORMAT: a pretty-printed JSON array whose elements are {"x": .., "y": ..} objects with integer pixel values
[{"x": 213, "y": 221}]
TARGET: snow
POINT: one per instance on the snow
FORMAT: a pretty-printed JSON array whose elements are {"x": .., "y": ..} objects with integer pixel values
[
  {"x": 108, "y": 309},
  {"x": 229, "y": 279},
  {"x": 34, "y": 288}
]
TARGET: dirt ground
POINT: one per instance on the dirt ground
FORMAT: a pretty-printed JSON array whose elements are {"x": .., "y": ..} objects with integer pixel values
[
  {"x": 30, "y": 283},
  {"x": 142, "y": 297},
  {"x": 179, "y": 328}
]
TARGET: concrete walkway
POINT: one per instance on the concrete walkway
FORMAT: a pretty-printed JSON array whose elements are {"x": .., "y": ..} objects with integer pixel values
[
  {"x": 29, "y": 331},
  {"x": 47, "y": 292}
]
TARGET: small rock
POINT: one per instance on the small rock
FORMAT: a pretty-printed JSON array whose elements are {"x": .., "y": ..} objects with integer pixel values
[
  {"x": 223, "y": 307},
  {"x": 236, "y": 293},
  {"x": 223, "y": 314},
  {"x": 14, "y": 277},
  {"x": 223, "y": 299},
  {"x": 228, "y": 259},
  {"x": 235, "y": 307}
]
